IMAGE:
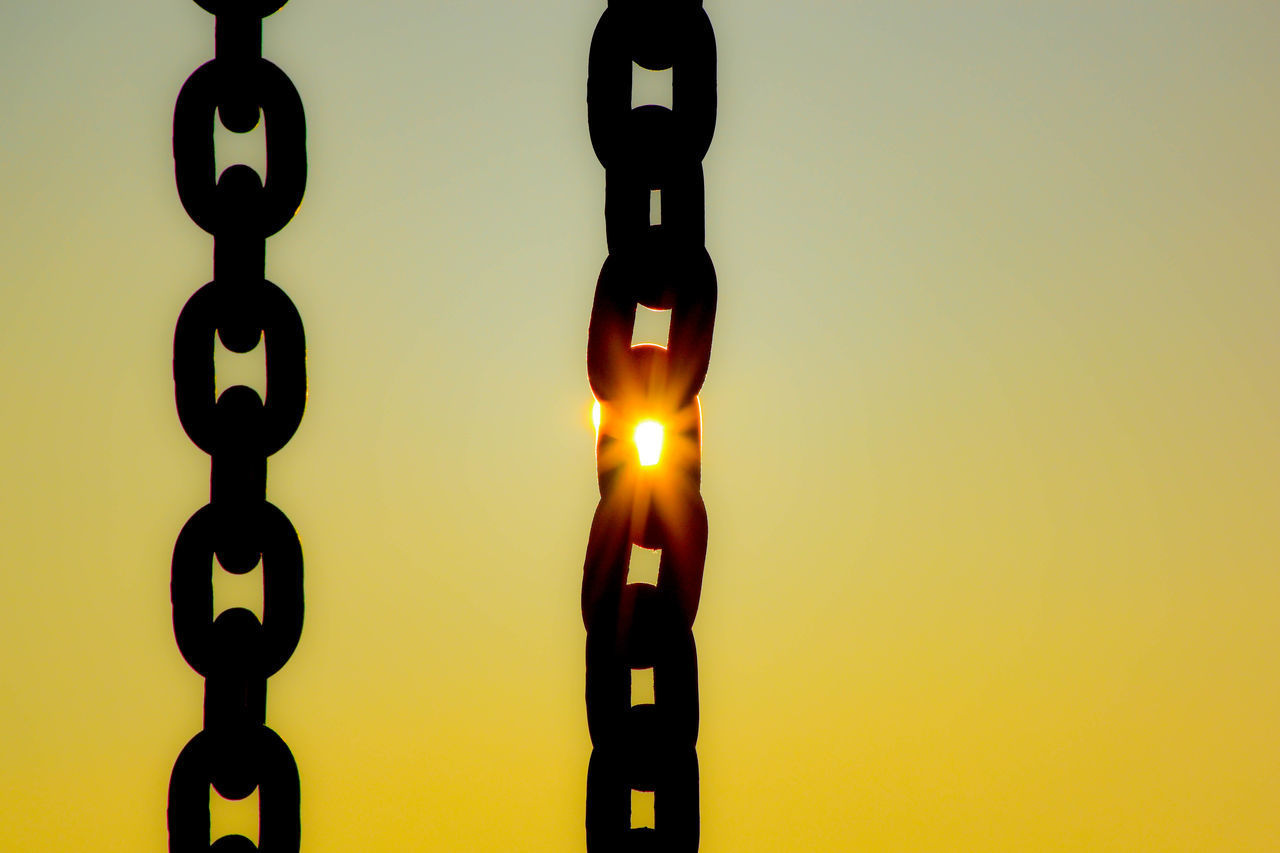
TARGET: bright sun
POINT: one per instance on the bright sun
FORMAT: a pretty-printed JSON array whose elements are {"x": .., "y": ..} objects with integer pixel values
[{"x": 648, "y": 438}]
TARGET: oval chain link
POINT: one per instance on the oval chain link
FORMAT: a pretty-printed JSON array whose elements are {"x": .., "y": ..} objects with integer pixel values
[
  {"x": 648, "y": 747},
  {"x": 235, "y": 653}
]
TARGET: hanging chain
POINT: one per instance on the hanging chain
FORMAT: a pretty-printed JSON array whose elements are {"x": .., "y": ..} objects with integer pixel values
[
  {"x": 235, "y": 653},
  {"x": 653, "y": 503}
]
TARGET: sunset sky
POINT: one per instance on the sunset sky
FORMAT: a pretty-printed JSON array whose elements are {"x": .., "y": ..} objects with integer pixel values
[{"x": 991, "y": 458}]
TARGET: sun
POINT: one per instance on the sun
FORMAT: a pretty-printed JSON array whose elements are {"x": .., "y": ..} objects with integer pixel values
[{"x": 648, "y": 439}]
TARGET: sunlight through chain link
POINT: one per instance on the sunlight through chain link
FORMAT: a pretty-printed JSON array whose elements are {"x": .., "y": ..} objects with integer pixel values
[
  {"x": 236, "y": 752},
  {"x": 648, "y": 424},
  {"x": 648, "y": 439}
]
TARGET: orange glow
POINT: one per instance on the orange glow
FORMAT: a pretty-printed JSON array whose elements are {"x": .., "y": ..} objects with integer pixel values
[
  {"x": 595, "y": 415},
  {"x": 648, "y": 439}
]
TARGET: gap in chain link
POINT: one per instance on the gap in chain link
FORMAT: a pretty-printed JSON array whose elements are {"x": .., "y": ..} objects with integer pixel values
[
  {"x": 234, "y": 368},
  {"x": 641, "y": 809},
  {"x": 231, "y": 148},
  {"x": 231, "y": 590},
  {"x": 650, "y": 87},
  {"x": 642, "y": 686},
  {"x": 233, "y": 817},
  {"x": 643, "y": 566},
  {"x": 652, "y": 326},
  {"x": 655, "y": 208}
]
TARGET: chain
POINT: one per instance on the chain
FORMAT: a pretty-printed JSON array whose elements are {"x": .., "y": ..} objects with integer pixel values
[
  {"x": 236, "y": 752},
  {"x": 652, "y": 502}
]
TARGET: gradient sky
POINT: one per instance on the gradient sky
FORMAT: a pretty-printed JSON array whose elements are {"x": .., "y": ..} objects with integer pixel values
[{"x": 991, "y": 458}]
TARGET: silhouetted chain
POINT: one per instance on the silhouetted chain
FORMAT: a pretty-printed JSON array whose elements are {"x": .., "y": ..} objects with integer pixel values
[
  {"x": 235, "y": 653},
  {"x": 630, "y": 626}
]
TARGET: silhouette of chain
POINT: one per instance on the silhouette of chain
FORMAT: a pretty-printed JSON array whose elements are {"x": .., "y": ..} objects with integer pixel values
[
  {"x": 661, "y": 265},
  {"x": 236, "y": 752}
]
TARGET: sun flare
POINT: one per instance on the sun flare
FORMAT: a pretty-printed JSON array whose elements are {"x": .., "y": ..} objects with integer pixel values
[{"x": 648, "y": 438}]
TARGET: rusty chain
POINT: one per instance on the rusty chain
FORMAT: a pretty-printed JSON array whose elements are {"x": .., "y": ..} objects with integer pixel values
[
  {"x": 236, "y": 752},
  {"x": 665, "y": 266}
]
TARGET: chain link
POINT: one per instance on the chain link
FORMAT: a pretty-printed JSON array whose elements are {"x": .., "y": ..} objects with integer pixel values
[
  {"x": 648, "y": 747},
  {"x": 236, "y": 752}
]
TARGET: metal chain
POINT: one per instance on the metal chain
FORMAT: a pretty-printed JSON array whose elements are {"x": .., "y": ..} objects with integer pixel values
[
  {"x": 630, "y": 626},
  {"x": 236, "y": 752}
]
